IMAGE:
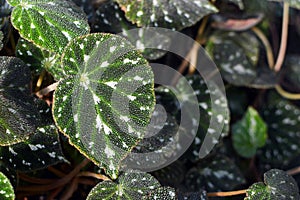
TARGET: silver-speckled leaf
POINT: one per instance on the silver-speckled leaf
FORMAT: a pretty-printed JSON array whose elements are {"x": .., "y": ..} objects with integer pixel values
[
  {"x": 217, "y": 173},
  {"x": 283, "y": 143},
  {"x": 176, "y": 14},
  {"x": 49, "y": 24},
  {"x": 38, "y": 59},
  {"x": 277, "y": 185},
  {"x": 105, "y": 102},
  {"x": 236, "y": 55},
  {"x": 6, "y": 189},
  {"x": 129, "y": 186},
  {"x": 18, "y": 115},
  {"x": 292, "y": 3},
  {"x": 162, "y": 193},
  {"x": 40, "y": 151}
]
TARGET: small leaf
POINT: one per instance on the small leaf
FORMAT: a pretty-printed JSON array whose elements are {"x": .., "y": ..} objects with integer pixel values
[
  {"x": 162, "y": 193},
  {"x": 41, "y": 150},
  {"x": 18, "y": 116},
  {"x": 236, "y": 54},
  {"x": 277, "y": 185},
  {"x": 176, "y": 14},
  {"x": 105, "y": 102},
  {"x": 292, "y": 3},
  {"x": 49, "y": 24},
  {"x": 128, "y": 186},
  {"x": 38, "y": 59},
  {"x": 283, "y": 143},
  {"x": 249, "y": 133},
  {"x": 6, "y": 189},
  {"x": 217, "y": 173}
]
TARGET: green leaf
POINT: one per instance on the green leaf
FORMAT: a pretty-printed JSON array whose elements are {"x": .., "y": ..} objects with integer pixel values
[
  {"x": 6, "y": 189},
  {"x": 49, "y": 24},
  {"x": 40, "y": 151},
  {"x": 1, "y": 38},
  {"x": 105, "y": 103},
  {"x": 277, "y": 185},
  {"x": 176, "y": 14},
  {"x": 249, "y": 133},
  {"x": 292, "y": 3},
  {"x": 18, "y": 115},
  {"x": 283, "y": 143},
  {"x": 162, "y": 193},
  {"x": 218, "y": 173},
  {"x": 236, "y": 54},
  {"x": 38, "y": 59},
  {"x": 127, "y": 186}
]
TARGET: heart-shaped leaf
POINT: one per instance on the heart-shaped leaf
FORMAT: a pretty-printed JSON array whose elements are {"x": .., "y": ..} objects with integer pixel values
[
  {"x": 162, "y": 193},
  {"x": 236, "y": 54},
  {"x": 292, "y": 3},
  {"x": 40, "y": 151},
  {"x": 249, "y": 133},
  {"x": 283, "y": 143},
  {"x": 277, "y": 185},
  {"x": 163, "y": 13},
  {"x": 105, "y": 103},
  {"x": 38, "y": 59},
  {"x": 6, "y": 189},
  {"x": 127, "y": 186},
  {"x": 218, "y": 173},
  {"x": 18, "y": 115},
  {"x": 49, "y": 24}
]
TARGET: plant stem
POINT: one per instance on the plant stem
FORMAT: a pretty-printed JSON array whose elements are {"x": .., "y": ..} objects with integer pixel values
[
  {"x": 266, "y": 43},
  {"x": 293, "y": 171},
  {"x": 94, "y": 175},
  {"x": 40, "y": 80},
  {"x": 226, "y": 194},
  {"x": 284, "y": 36},
  {"x": 286, "y": 94}
]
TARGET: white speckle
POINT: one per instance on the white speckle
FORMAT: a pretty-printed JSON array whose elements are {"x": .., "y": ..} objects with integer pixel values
[
  {"x": 125, "y": 118},
  {"x": 112, "y": 49},
  {"x": 203, "y": 105},
  {"x": 65, "y": 98},
  {"x": 107, "y": 130},
  {"x": 96, "y": 99},
  {"x": 76, "y": 118},
  {"x": 132, "y": 98},
  {"x": 138, "y": 78},
  {"x": 11, "y": 150},
  {"x": 77, "y": 135},
  {"x": 32, "y": 147},
  {"x": 168, "y": 19},
  {"x": 139, "y": 13},
  {"x": 104, "y": 64},
  {"x": 109, "y": 152},
  {"x": 111, "y": 84},
  {"x": 86, "y": 58},
  {"x": 84, "y": 81},
  {"x": 12, "y": 110},
  {"x": 52, "y": 154},
  {"x": 32, "y": 25},
  {"x": 152, "y": 17},
  {"x": 220, "y": 118},
  {"x": 98, "y": 123}
]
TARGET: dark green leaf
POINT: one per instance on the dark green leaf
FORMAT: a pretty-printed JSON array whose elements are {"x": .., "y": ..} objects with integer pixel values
[
  {"x": 277, "y": 185},
  {"x": 105, "y": 74},
  {"x": 128, "y": 186},
  {"x": 41, "y": 150},
  {"x": 249, "y": 133},
  {"x": 291, "y": 72},
  {"x": 162, "y": 193},
  {"x": 38, "y": 59},
  {"x": 236, "y": 54},
  {"x": 292, "y": 3},
  {"x": 162, "y": 13},
  {"x": 6, "y": 189},
  {"x": 18, "y": 116},
  {"x": 218, "y": 173},
  {"x": 49, "y": 24},
  {"x": 1, "y": 38},
  {"x": 283, "y": 143},
  {"x": 201, "y": 195}
]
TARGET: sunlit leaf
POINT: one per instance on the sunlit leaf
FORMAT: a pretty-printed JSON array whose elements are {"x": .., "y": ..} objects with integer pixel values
[
  {"x": 18, "y": 116},
  {"x": 49, "y": 24},
  {"x": 38, "y": 59},
  {"x": 218, "y": 173},
  {"x": 277, "y": 185},
  {"x": 249, "y": 133},
  {"x": 127, "y": 186},
  {"x": 162, "y": 193},
  {"x": 236, "y": 54},
  {"x": 162, "y": 13},
  {"x": 6, "y": 189},
  {"x": 105, "y": 103}
]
